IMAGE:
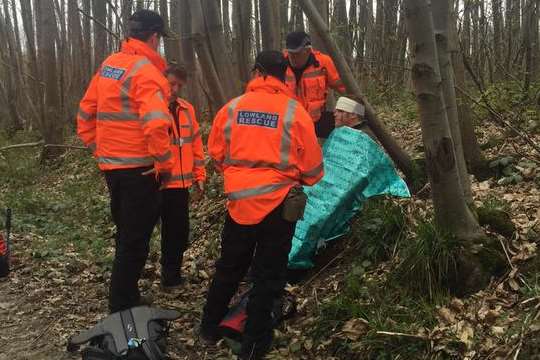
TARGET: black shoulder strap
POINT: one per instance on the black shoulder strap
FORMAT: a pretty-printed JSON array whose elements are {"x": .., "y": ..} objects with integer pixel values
[{"x": 125, "y": 325}]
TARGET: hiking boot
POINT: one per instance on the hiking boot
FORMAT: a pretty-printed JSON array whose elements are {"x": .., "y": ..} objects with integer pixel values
[
  {"x": 209, "y": 335},
  {"x": 255, "y": 350},
  {"x": 173, "y": 282},
  {"x": 145, "y": 300}
]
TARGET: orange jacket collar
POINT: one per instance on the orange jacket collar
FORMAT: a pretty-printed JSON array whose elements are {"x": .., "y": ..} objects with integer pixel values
[
  {"x": 270, "y": 85},
  {"x": 137, "y": 47}
]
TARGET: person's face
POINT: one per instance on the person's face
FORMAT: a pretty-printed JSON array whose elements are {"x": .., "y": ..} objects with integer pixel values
[
  {"x": 176, "y": 85},
  {"x": 153, "y": 42},
  {"x": 299, "y": 59},
  {"x": 344, "y": 118}
]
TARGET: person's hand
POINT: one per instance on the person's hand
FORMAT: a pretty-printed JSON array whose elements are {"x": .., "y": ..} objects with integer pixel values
[
  {"x": 149, "y": 172},
  {"x": 199, "y": 191}
]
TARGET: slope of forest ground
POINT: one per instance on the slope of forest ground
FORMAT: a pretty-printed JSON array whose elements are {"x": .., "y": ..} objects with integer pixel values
[{"x": 377, "y": 294}]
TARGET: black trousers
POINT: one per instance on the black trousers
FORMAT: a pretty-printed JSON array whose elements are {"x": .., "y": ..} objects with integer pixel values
[
  {"x": 174, "y": 230},
  {"x": 264, "y": 246},
  {"x": 135, "y": 207}
]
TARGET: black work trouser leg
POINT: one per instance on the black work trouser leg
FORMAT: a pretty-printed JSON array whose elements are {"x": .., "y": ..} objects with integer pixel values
[
  {"x": 135, "y": 203},
  {"x": 237, "y": 247},
  {"x": 174, "y": 229},
  {"x": 274, "y": 237}
]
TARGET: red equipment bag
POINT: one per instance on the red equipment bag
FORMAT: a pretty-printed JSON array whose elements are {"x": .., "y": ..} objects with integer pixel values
[
  {"x": 233, "y": 324},
  {"x": 4, "y": 247}
]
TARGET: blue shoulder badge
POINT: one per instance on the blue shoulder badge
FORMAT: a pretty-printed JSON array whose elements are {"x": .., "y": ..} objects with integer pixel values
[
  {"x": 110, "y": 72},
  {"x": 257, "y": 119}
]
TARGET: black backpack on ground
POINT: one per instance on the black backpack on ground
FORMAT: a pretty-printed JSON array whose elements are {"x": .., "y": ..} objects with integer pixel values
[{"x": 139, "y": 333}]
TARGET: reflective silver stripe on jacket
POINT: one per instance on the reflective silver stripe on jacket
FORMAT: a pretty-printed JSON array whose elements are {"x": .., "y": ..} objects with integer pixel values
[
  {"x": 186, "y": 176},
  {"x": 286, "y": 135},
  {"x": 228, "y": 126},
  {"x": 198, "y": 162},
  {"x": 117, "y": 116},
  {"x": 163, "y": 157},
  {"x": 285, "y": 147},
  {"x": 85, "y": 116},
  {"x": 155, "y": 115},
  {"x": 126, "y": 84},
  {"x": 313, "y": 172},
  {"x": 113, "y": 160},
  {"x": 259, "y": 190}
]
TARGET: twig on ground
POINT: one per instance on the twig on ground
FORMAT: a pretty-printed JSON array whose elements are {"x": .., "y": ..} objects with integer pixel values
[
  {"x": 507, "y": 256},
  {"x": 388, "y": 333}
]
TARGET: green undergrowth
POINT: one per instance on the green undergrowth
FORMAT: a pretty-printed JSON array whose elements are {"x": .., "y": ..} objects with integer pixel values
[
  {"x": 396, "y": 280},
  {"x": 63, "y": 205}
]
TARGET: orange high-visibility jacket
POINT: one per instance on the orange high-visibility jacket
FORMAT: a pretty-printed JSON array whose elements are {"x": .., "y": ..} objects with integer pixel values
[
  {"x": 264, "y": 142},
  {"x": 187, "y": 148},
  {"x": 312, "y": 88},
  {"x": 123, "y": 117}
]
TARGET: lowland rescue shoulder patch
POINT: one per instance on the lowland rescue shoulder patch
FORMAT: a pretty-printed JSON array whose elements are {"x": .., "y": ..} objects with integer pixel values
[
  {"x": 110, "y": 72},
  {"x": 255, "y": 118}
]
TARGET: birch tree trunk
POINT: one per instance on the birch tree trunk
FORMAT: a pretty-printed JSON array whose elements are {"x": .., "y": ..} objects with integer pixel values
[
  {"x": 182, "y": 16},
  {"x": 451, "y": 210},
  {"x": 441, "y": 12},
  {"x": 270, "y": 29},
  {"x": 242, "y": 37},
  {"x": 99, "y": 11},
  {"x": 471, "y": 148},
  {"x": 51, "y": 127},
  {"x": 218, "y": 49},
  {"x": 397, "y": 154},
  {"x": 217, "y": 92}
]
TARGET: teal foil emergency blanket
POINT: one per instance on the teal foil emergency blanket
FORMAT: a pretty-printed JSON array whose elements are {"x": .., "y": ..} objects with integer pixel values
[{"x": 355, "y": 169}]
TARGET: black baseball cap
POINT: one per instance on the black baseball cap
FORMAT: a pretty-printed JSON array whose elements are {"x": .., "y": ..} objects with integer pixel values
[
  {"x": 297, "y": 41},
  {"x": 271, "y": 62},
  {"x": 146, "y": 20}
]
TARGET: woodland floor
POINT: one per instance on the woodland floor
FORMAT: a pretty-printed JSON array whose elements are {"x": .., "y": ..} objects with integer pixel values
[{"x": 54, "y": 292}]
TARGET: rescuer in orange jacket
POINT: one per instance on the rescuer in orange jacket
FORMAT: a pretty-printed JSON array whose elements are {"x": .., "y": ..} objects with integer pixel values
[
  {"x": 188, "y": 155},
  {"x": 124, "y": 119},
  {"x": 310, "y": 74},
  {"x": 264, "y": 143}
]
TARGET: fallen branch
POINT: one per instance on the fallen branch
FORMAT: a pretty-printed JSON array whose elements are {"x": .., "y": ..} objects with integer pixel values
[
  {"x": 115, "y": 35},
  {"x": 42, "y": 143},
  {"x": 499, "y": 119}
]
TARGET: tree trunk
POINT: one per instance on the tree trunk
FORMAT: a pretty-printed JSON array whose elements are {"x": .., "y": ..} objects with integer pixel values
[
  {"x": 496, "y": 10},
  {"x": 204, "y": 54},
  {"x": 471, "y": 148},
  {"x": 99, "y": 11},
  {"x": 171, "y": 44},
  {"x": 322, "y": 7},
  {"x": 12, "y": 78},
  {"x": 441, "y": 12},
  {"x": 51, "y": 128},
  {"x": 339, "y": 27},
  {"x": 283, "y": 19},
  {"x": 181, "y": 18},
  {"x": 270, "y": 30},
  {"x": 87, "y": 44},
  {"x": 451, "y": 211},
  {"x": 297, "y": 18},
  {"x": 401, "y": 158},
  {"x": 242, "y": 38},
  {"x": 218, "y": 49}
]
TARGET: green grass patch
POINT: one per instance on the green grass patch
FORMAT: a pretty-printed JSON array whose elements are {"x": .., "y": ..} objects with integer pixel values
[
  {"x": 388, "y": 241},
  {"x": 65, "y": 204}
]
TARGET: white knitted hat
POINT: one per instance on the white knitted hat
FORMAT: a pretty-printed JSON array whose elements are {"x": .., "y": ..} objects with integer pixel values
[{"x": 350, "y": 106}]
